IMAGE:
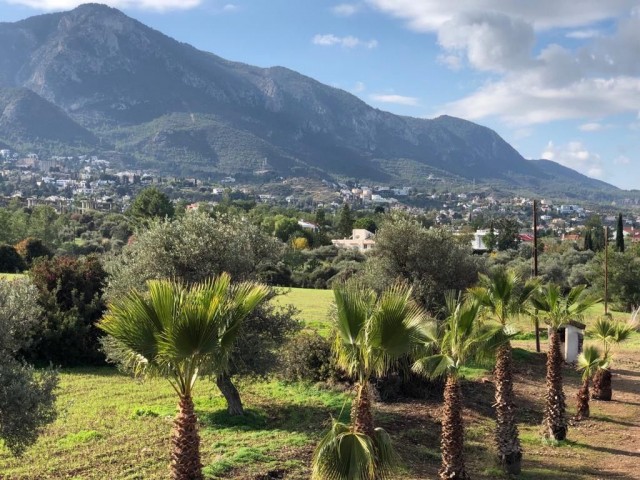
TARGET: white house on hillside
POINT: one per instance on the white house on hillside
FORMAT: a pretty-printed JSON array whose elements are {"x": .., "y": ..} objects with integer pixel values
[
  {"x": 478, "y": 241},
  {"x": 361, "y": 240}
]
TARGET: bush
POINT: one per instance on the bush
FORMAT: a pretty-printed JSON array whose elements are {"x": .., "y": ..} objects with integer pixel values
[
  {"x": 31, "y": 248},
  {"x": 307, "y": 356},
  {"x": 70, "y": 293},
  {"x": 10, "y": 260},
  {"x": 27, "y": 398}
]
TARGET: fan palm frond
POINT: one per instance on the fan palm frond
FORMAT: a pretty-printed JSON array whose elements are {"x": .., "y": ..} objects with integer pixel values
[{"x": 589, "y": 361}]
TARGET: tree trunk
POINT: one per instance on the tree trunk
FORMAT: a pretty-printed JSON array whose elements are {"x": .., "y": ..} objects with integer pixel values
[
  {"x": 602, "y": 385},
  {"x": 361, "y": 414},
  {"x": 452, "y": 438},
  {"x": 555, "y": 410},
  {"x": 583, "y": 401},
  {"x": 185, "y": 444},
  {"x": 506, "y": 435},
  {"x": 231, "y": 394}
]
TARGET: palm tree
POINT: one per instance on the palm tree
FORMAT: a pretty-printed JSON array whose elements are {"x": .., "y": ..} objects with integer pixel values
[
  {"x": 459, "y": 340},
  {"x": 556, "y": 311},
  {"x": 588, "y": 363},
  {"x": 610, "y": 333},
  {"x": 179, "y": 333},
  {"x": 372, "y": 332},
  {"x": 503, "y": 297}
]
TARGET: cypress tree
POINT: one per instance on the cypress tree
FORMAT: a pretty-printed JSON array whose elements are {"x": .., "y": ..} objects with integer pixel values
[
  {"x": 345, "y": 223},
  {"x": 588, "y": 241},
  {"x": 619, "y": 235}
]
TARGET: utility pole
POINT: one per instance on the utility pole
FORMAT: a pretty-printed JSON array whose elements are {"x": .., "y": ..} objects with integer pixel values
[
  {"x": 606, "y": 270},
  {"x": 535, "y": 268}
]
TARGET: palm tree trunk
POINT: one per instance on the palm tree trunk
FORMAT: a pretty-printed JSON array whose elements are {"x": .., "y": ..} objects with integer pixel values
[
  {"x": 361, "y": 414},
  {"x": 185, "y": 443},
  {"x": 231, "y": 395},
  {"x": 602, "y": 385},
  {"x": 555, "y": 411},
  {"x": 452, "y": 438},
  {"x": 583, "y": 401},
  {"x": 506, "y": 435}
]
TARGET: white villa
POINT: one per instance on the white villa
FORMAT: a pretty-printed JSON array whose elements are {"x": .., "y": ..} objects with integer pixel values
[{"x": 361, "y": 240}]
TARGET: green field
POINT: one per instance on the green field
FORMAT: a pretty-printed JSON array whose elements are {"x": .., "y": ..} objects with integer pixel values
[
  {"x": 111, "y": 426},
  {"x": 314, "y": 306}
]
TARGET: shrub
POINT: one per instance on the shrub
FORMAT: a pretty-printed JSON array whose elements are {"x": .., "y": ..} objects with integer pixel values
[
  {"x": 307, "y": 356},
  {"x": 70, "y": 293},
  {"x": 31, "y": 248},
  {"x": 10, "y": 260},
  {"x": 27, "y": 398}
]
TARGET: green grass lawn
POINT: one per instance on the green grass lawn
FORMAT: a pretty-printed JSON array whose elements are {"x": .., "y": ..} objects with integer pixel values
[
  {"x": 11, "y": 276},
  {"x": 314, "y": 306},
  {"x": 111, "y": 426}
]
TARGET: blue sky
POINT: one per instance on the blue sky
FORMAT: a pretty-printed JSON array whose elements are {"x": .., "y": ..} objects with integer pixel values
[{"x": 558, "y": 79}]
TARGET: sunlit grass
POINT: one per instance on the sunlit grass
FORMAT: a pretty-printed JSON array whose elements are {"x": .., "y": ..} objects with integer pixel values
[
  {"x": 111, "y": 426},
  {"x": 314, "y": 306}
]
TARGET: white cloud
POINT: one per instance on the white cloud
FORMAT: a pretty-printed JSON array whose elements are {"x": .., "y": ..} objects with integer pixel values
[
  {"x": 524, "y": 102},
  {"x": 157, "y": 5},
  {"x": 328, "y": 40},
  {"x": 453, "y": 62},
  {"x": 521, "y": 133},
  {"x": 393, "y": 98},
  {"x": 430, "y": 15},
  {"x": 345, "y": 9},
  {"x": 622, "y": 160},
  {"x": 598, "y": 76},
  {"x": 576, "y": 156},
  {"x": 230, "y": 7},
  {"x": 583, "y": 34},
  {"x": 491, "y": 41},
  {"x": 359, "y": 87},
  {"x": 591, "y": 127}
]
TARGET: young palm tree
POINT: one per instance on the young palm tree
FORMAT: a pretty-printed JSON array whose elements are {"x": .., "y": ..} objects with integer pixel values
[
  {"x": 460, "y": 339},
  {"x": 589, "y": 361},
  {"x": 557, "y": 310},
  {"x": 610, "y": 333},
  {"x": 372, "y": 332},
  {"x": 179, "y": 333},
  {"x": 503, "y": 296}
]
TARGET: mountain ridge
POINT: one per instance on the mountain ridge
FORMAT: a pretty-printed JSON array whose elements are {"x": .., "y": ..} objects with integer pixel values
[{"x": 158, "y": 100}]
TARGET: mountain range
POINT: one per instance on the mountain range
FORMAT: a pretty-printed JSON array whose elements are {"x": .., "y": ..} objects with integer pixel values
[{"x": 95, "y": 80}]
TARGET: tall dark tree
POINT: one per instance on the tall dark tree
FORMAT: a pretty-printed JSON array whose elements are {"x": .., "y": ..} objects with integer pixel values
[
  {"x": 507, "y": 230},
  {"x": 619, "y": 234},
  {"x": 151, "y": 203},
  {"x": 345, "y": 222},
  {"x": 588, "y": 240},
  {"x": 595, "y": 228},
  {"x": 321, "y": 217}
]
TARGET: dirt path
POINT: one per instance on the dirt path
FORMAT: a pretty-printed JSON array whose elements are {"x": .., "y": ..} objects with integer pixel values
[
  {"x": 606, "y": 446},
  {"x": 618, "y": 421}
]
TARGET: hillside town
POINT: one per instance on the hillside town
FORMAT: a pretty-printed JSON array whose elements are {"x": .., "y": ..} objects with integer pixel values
[{"x": 85, "y": 183}]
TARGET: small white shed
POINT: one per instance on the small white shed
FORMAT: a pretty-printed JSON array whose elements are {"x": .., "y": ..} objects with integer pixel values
[{"x": 571, "y": 340}]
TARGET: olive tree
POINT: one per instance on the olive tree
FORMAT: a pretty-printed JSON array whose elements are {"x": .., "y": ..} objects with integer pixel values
[
  {"x": 432, "y": 261},
  {"x": 26, "y": 397},
  {"x": 194, "y": 248}
]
